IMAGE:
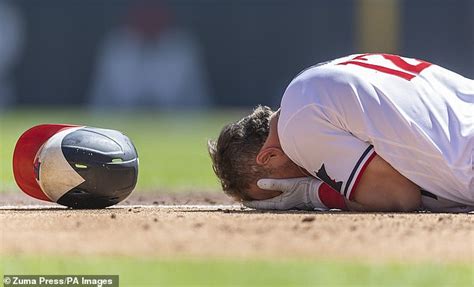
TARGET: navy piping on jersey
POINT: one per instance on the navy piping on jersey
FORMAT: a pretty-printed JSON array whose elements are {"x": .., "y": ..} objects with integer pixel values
[{"x": 351, "y": 177}]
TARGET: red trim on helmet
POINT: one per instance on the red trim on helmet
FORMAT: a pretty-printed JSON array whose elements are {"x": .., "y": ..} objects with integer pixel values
[{"x": 24, "y": 155}]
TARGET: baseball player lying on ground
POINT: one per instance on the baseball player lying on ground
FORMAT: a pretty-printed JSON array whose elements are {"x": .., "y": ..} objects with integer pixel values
[{"x": 368, "y": 132}]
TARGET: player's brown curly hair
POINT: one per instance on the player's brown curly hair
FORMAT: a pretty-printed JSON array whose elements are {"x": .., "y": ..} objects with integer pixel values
[{"x": 234, "y": 153}]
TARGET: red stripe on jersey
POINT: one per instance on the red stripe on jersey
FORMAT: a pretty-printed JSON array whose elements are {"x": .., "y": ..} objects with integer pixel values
[
  {"x": 399, "y": 62},
  {"x": 330, "y": 197},
  {"x": 356, "y": 183},
  {"x": 382, "y": 69}
]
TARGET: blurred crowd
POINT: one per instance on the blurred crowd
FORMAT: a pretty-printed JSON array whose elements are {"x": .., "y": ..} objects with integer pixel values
[
  {"x": 11, "y": 44},
  {"x": 144, "y": 62},
  {"x": 134, "y": 54}
]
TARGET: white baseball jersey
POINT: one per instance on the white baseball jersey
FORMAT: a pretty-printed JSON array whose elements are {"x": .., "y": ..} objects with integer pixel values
[{"x": 417, "y": 116}]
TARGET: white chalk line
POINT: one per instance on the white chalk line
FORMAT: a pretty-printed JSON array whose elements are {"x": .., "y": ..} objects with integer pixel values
[{"x": 158, "y": 206}]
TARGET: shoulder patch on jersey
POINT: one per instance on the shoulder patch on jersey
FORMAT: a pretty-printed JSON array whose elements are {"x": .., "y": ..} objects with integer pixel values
[{"x": 323, "y": 175}]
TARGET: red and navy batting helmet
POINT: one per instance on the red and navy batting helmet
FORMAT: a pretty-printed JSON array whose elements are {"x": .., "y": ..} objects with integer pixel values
[{"x": 75, "y": 166}]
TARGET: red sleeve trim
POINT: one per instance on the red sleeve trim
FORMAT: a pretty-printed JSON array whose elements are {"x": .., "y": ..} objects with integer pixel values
[{"x": 330, "y": 197}]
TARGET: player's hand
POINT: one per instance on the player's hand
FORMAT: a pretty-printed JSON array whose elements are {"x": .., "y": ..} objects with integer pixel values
[{"x": 297, "y": 193}]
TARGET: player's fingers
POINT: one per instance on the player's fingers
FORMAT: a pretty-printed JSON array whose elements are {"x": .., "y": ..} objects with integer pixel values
[{"x": 283, "y": 184}]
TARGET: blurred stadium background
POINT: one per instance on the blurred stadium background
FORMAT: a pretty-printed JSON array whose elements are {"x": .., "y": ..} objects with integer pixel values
[
  {"x": 248, "y": 50},
  {"x": 170, "y": 73}
]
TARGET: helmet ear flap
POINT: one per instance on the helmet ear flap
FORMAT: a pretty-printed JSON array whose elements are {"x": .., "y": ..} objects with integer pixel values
[{"x": 54, "y": 174}]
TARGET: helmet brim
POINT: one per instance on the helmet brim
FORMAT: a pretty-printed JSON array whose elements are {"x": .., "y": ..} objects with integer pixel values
[{"x": 24, "y": 155}]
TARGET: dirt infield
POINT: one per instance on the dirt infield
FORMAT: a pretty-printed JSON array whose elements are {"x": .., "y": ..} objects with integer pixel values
[{"x": 207, "y": 225}]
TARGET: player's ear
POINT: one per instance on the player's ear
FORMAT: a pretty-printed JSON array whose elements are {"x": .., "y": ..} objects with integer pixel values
[{"x": 269, "y": 155}]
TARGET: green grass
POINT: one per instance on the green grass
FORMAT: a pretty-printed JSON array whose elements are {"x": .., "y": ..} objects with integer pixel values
[
  {"x": 193, "y": 272},
  {"x": 171, "y": 146}
]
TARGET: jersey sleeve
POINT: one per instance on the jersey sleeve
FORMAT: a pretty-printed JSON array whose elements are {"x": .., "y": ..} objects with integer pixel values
[{"x": 326, "y": 151}]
